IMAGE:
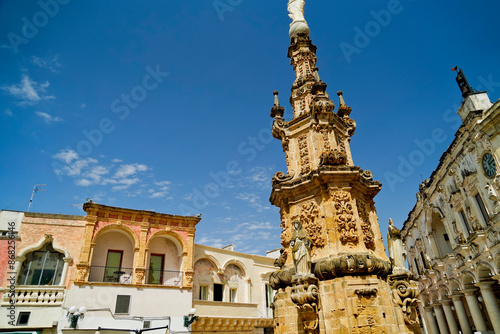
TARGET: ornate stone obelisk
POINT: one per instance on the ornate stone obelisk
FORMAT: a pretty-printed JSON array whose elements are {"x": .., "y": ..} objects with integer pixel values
[{"x": 334, "y": 271}]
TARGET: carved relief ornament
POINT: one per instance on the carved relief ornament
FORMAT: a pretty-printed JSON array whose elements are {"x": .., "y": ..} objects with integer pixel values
[{"x": 346, "y": 222}]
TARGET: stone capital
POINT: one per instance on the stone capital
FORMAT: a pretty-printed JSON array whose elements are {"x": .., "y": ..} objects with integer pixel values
[
  {"x": 457, "y": 296},
  {"x": 470, "y": 292},
  {"x": 485, "y": 285}
]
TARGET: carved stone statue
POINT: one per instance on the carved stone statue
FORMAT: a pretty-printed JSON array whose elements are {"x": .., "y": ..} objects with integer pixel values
[
  {"x": 396, "y": 250},
  {"x": 299, "y": 24},
  {"x": 301, "y": 249}
]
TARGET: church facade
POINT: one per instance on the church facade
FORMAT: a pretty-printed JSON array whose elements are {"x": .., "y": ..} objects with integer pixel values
[{"x": 451, "y": 236}]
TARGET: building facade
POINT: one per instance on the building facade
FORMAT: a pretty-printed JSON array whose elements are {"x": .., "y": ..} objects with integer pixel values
[
  {"x": 118, "y": 268},
  {"x": 451, "y": 236}
]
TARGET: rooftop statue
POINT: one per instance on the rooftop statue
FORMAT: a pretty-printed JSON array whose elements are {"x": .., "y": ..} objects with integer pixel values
[
  {"x": 396, "y": 250},
  {"x": 299, "y": 24}
]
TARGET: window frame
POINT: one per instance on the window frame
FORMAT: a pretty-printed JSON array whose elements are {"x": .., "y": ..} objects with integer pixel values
[{"x": 128, "y": 306}]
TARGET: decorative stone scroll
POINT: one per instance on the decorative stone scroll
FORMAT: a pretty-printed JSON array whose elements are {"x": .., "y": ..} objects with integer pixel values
[
  {"x": 282, "y": 177},
  {"x": 405, "y": 294},
  {"x": 346, "y": 222},
  {"x": 305, "y": 295}
]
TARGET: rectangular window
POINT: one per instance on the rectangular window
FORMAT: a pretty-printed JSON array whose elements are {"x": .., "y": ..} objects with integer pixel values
[
  {"x": 146, "y": 324},
  {"x": 232, "y": 295},
  {"x": 218, "y": 292},
  {"x": 482, "y": 208},
  {"x": 122, "y": 304},
  {"x": 23, "y": 318},
  {"x": 465, "y": 221},
  {"x": 155, "y": 273},
  {"x": 416, "y": 266},
  {"x": 445, "y": 236},
  {"x": 112, "y": 271},
  {"x": 203, "y": 292},
  {"x": 269, "y": 300},
  {"x": 423, "y": 260}
]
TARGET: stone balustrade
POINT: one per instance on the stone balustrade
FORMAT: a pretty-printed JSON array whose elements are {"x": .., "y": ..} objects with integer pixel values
[{"x": 35, "y": 295}]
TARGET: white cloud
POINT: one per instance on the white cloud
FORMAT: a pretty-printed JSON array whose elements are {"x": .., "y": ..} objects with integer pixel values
[
  {"x": 8, "y": 112},
  {"x": 49, "y": 63},
  {"x": 217, "y": 243},
  {"x": 67, "y": 155},
  {"x": 129, "y": 170},
  {"x": 83, "y": 182},
  {"x": 28, "y": 91},
  {"x": 116, "y": 160},
  {"x": 5, "y": 46},
  {"x": 48, "y": 118}
]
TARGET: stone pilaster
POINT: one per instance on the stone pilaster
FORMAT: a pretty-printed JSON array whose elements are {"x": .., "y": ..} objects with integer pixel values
[
  {"x": 477, "y": 316},
  {"x": 491, "y": 303},
  {"x": 441, "y": 320},
  {"x": 450, "y": 318},
  {"x": 431, "y": 320},
  {"x": 461, "y": 313}
]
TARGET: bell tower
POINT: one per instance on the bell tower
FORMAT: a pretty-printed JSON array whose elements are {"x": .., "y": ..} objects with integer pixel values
[{"x": 334, "y": 276}]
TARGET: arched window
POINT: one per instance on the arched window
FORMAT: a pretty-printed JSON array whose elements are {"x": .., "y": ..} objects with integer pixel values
[{"x": 42, "y": 267}]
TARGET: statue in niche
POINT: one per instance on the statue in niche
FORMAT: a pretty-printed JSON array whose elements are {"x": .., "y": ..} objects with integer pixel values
[
  {"x": 460, "y": 239},
  {"x": 396, "y": 250},
  {"x": 301, "y": 249}
]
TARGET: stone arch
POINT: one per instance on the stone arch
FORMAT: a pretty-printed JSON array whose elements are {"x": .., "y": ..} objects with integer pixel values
[
  {"x": 468, "y": 278},
  {"x": 210, "y": 258},
  {"x": 434, "y": 296},
  {"x": 238, "y": 264},
  {"x": 497, "y": 262},
  {"x": 455, "y": 285},
  {"x": 443, "y": 291},
  {"x": 175, "y": 237},
  {"x": 118, "y": 227},
  {"x": 484, "y": 271},
  {"x": 48, "y": 238}
]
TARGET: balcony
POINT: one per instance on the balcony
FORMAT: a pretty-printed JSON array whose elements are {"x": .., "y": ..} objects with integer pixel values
[
  {"x": 164, "y": 277},
  {"x": 111, "y": 274},
  {"x": 35, "y": 296}
]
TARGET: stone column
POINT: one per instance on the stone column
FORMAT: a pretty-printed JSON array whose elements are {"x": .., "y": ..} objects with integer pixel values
[
  {"x": 431, "y": 321},
  {"x": 441, "y": 320},
  {"x": 461, "y": 313},
  {"x": 491, "y": 303},
  {"x": 450, "y": 318},
  {"x": 477, "y": 316}
]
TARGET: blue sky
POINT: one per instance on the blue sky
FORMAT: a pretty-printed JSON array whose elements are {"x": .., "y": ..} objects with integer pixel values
[{"x": 164, "y": 105}]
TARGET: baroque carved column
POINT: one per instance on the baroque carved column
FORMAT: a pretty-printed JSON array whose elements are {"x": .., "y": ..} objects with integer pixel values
[
  {"x": 461, "y": 313},
  {"x": 491, "y": 303},
  {"x": 477, "y": 316}
]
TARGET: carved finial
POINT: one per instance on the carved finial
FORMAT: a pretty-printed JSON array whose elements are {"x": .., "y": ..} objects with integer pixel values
[
  {"x": 316, "y": 74},
  {"x": 462, "y": 82},
  {"x": 277, "y": 110},
  {"x": 344, "y": 111}
]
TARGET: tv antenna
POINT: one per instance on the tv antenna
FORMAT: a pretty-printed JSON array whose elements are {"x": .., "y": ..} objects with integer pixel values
[{"x": 36, "y": 189}]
